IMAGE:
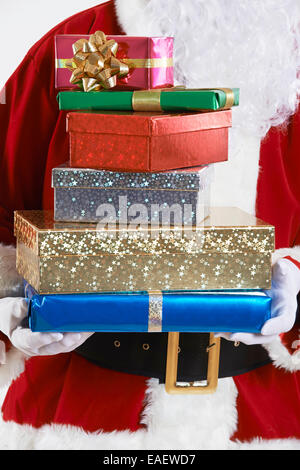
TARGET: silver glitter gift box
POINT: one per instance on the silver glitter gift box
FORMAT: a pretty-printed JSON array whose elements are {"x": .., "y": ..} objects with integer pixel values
[
  {"x": 168, "y": 198},
  {"x": 230, "y": 249}
]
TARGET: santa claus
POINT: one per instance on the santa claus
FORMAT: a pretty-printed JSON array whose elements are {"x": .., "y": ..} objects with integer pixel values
[{"x": 68, "y": 391}]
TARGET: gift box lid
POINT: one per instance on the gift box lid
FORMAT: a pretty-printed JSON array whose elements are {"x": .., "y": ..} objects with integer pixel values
[
  {"x": 190, "y": 179},
  {"x": 227, "y": 230},
  {"x": 146, "y": 124},
  {"x": 155, "y": 46}
]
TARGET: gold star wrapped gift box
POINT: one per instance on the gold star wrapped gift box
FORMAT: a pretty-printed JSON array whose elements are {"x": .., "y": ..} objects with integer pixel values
[{"x": 229, "y": 250}]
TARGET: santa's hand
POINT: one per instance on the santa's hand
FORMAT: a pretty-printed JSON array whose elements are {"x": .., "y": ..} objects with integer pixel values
[
  {"x": 13, "y": 311},
  {"x": 284, "y": 291}
]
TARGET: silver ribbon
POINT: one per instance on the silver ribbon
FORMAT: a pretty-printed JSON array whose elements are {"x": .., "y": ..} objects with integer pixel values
[{"x": 155, "y": 311}]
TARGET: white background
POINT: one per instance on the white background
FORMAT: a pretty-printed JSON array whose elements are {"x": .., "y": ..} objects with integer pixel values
[{"x": 23, "y": 22}]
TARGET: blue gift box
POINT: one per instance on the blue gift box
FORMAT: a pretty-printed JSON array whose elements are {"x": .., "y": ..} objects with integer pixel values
[{"x": 156, "y": 311}]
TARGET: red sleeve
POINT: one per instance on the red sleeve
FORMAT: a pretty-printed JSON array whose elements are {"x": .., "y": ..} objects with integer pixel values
[
  {"x": 278, "y": 189},
  {"x": 29, "y": 117},
  {"x": 26, "y": 124}
]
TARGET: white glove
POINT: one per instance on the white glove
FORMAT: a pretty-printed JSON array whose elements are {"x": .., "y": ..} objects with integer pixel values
[
  {"x": 284, "y": 291},
  {"x": 13, "y": 310},
  {"x": 2, "y": 352}
]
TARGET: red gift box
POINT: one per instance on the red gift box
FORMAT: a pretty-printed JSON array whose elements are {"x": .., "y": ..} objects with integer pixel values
[{"x": 145, "y": 142}]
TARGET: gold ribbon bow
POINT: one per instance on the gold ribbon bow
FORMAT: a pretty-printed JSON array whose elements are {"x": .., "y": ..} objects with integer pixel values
[{"x": 94, "y": 64}]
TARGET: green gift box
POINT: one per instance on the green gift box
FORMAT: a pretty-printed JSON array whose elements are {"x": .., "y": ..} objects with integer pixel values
[{"x": 171, "y": 100}]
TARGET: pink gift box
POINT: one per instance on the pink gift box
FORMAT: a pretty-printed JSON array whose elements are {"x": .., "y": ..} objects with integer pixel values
[{"x": 150, "y": 60}]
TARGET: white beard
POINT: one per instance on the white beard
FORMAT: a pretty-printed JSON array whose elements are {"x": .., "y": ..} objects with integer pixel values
[{"x": 250, "y": 44}]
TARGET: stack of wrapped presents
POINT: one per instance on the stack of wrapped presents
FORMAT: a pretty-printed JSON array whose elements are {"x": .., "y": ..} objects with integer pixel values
[{"x": 133, "y": 244}]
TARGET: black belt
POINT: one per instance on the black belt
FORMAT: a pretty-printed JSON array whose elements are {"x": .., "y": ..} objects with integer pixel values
[{"x": 145, "y": 354}]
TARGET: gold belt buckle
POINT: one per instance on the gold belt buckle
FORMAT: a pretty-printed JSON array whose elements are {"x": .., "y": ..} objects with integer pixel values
[{"x": 172, "y": 365}]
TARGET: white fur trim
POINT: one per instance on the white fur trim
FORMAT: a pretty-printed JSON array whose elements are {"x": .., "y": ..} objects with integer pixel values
[
  {"x": 294, "y": 252},
  {"x": 11, "y": 284},
  {"x": 173, "y": 422},
  {"x": 281, "y": 357},
  {"x": 13, "y": 367},
  {"x": 272, "y": 444}
]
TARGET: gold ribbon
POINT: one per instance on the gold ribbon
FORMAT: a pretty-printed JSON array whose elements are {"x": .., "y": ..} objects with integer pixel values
[
  {"x": 149, "y": 100},
  {"x": 146, "y": 100},
  {"x": 94, "y": 64},
  {"x": 159, "y": 62},
  {"x": 229, "y": 96}
]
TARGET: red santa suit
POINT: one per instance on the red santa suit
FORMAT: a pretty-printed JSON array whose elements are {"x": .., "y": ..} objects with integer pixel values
[{"x": 66, "y": 402}]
